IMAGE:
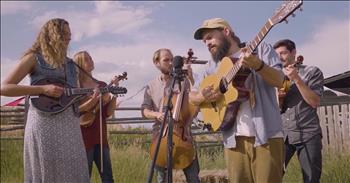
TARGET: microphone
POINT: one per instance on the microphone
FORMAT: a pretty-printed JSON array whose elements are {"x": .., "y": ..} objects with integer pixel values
[
  {"x": 178, "y": 73},
  {"x": 178, "y": 62}
]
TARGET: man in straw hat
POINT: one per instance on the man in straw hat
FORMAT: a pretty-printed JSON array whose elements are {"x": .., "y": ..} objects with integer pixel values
[{"x": 254, "y": 149}]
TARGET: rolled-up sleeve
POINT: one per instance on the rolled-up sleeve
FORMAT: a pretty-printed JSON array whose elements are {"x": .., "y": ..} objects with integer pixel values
[
  {"x": 147, "y": 101},
  {"x": 269, "y": 56},
  {"x": 316, "y": 81}
]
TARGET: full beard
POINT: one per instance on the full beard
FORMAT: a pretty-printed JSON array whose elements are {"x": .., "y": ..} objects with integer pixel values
[{"x": 221, "y": 51}]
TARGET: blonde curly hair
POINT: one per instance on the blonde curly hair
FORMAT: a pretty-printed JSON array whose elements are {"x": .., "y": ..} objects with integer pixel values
[{"x": 50, "y": 43}]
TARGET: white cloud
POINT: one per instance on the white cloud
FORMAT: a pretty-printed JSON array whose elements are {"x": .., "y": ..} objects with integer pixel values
[
  {"x": 13, "y": 7},
  {"x": 136, "y": 60},
  {"x": 106, "y": 17},
  {"x": 328, "y": 48}
]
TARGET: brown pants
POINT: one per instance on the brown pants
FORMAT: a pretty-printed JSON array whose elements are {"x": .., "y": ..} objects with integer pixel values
[{"x": 249, "y": 164}]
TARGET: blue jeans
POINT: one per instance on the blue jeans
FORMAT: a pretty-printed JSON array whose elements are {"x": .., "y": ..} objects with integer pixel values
[
  {"x": 310, "y": 158},
  {"x": 94, "y": 154},
  {"x": 191, "y": 172}
]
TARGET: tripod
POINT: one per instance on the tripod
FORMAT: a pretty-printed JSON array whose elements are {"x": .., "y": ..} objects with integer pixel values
[{"x": 177, "y": 76}]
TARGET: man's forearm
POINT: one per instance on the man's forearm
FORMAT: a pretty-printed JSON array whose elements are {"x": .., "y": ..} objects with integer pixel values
[
  {"x": 308, "y": 95},
  {"x": 196, "y": 98},
  {"x": 271, "y": 76},
  {"x": 149, "y": 114}
]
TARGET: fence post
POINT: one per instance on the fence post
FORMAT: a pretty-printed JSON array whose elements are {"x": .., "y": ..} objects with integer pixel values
[
  {"x": 321, "y": 111},
  {"x": 337, "y": 128},
  {"x": 331, "y": 130},
  {"x": 345, "y": 117}
]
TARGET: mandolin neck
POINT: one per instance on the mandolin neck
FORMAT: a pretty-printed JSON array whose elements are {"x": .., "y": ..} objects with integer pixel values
[{"x": 82, "y": 91}]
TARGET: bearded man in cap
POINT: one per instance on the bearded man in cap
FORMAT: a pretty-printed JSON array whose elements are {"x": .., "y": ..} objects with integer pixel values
[{"x": 254, "y": 150}]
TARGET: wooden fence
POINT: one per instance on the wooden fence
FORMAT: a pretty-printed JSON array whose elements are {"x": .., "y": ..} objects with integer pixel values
[
  {"x": 334, "y": 120},
  {"x": 335, "y": 125}
]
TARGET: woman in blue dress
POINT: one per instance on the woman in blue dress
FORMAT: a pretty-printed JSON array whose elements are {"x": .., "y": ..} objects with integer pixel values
[{"x": 53, "y": 145}]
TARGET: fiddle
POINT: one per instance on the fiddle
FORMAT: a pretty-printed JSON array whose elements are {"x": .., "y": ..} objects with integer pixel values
[
  {"x": 183, "y": 151},
  {"x": 87, "y": 118},
  {"x": 193, "y": 60},
  {"x": 287, "y": 83},
  {"x": 188, "y": 61}
]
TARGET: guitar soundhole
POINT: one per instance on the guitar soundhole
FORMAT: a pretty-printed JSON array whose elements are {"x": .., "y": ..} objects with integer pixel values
[
  {"x": 223, "y": 86},
  {"x": 213, "y": 104}
]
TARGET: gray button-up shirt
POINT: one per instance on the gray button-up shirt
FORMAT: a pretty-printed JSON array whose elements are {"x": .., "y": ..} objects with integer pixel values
[
  {"x": 156, "y": 94},
  {"x": 300, "y": 121}
]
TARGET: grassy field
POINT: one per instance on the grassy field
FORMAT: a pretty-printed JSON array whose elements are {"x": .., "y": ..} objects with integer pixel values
[{"x": 130, "y": 161}]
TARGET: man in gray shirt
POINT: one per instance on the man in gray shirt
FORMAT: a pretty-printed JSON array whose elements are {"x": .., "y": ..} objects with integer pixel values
[
  {"x": 301, "y": 126},
  {"x": 155, "y": 99}
]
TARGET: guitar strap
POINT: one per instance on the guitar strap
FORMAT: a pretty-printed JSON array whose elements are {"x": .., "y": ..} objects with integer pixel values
[
  {"x": 75, "y": 105},
  {"x": 86, "y": 73}
]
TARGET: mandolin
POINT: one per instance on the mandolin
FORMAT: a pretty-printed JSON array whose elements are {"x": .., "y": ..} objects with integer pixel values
[
  {"x": 87, "y": 118},
  {"x": 214, "y": 112},
  {"x": 287, "y": 83},
  {"x": 53, "y": 105}
]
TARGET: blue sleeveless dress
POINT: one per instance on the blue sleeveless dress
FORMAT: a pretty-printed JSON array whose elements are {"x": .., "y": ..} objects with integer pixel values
[{"x": 53, "y": 146}]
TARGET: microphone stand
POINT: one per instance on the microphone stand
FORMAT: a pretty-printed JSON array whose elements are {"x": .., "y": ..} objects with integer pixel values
[{"x": 177, "y": 75}]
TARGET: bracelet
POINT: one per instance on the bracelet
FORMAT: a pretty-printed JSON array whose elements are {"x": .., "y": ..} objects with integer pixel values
[{"x": 260, "y": 67}]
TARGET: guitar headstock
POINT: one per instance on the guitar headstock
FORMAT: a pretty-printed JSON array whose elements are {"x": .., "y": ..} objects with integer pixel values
[
  {"x": 286, "y": 9},
  {"x": 117, "y": 90}
]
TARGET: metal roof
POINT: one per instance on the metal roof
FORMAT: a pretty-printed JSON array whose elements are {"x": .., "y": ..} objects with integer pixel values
[{"x": 339, "y": 82}]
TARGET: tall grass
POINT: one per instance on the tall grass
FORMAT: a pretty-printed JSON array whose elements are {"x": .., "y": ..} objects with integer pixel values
[
  {"x": 11, "y": 158},
  {"x": 335, "y": 169},
  {"x": 131, "y": 161},
  {"x": 129, "y": 164}
]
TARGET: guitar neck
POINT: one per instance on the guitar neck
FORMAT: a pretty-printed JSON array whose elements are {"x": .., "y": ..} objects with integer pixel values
[
  {"x": 82, "y": 91},
  {"x": 251, "y": 48}
]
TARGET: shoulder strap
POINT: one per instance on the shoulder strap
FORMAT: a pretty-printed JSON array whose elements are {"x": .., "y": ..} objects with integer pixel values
[{"x": 86, "y": 73}]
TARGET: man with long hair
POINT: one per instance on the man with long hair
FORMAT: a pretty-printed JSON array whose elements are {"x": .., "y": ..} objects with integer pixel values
[{"x": 253, "y": 141}]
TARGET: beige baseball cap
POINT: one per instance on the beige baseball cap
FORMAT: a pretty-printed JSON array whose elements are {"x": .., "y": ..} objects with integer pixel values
[{"x": 213, "y": 23}]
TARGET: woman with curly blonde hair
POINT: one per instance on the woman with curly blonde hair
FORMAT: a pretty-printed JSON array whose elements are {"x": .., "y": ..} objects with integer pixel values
[{"x": 53, "y": 145}]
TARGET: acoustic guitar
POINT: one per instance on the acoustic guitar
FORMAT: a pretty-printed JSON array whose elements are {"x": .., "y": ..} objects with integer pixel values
[
  {"x": 70, "y": 95},
  {"x": 87, "y": 118},
  {"x": 214, "y": 112}
]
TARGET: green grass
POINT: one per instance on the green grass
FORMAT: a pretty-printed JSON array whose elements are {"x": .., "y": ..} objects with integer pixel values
[
  {"x": 335, "y": 169},
  {"x": 11, "y": 158},
  {"x": 130, "y": 162}
]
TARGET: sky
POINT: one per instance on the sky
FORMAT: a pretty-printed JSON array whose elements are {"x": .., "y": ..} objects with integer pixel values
[{"x": 123, "y": 35}]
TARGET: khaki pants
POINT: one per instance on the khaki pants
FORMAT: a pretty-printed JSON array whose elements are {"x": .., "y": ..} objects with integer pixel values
[{"x": 249, "y": 164}]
